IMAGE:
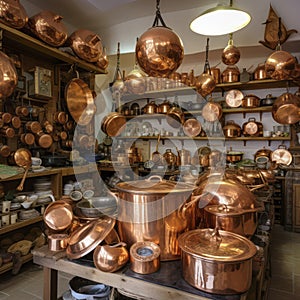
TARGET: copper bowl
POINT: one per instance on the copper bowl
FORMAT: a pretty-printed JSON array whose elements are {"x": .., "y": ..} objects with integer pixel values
[{"x": 166, "y": 52}]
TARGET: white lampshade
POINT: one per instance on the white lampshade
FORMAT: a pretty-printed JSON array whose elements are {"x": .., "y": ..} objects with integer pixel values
[{"x": 220, "y": 20}]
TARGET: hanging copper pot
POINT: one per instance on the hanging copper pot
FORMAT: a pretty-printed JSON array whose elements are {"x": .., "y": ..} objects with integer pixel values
[
  {"x": 48, "y": 27},
  {"x": 280, "y": 64},
  {"x": 286, "y": 109},
  {"x": 86, "y": 44},
  {"x": 33, "y": 126},
  {"x": 159, "y": 50},
  {"x": 13, "y": 13},
  {"x": 22, "y": 158},
  {"x": 22, "y": 111},
  {"x": 6, "y": 117},
  {"x": 231, "y": 54},
  {"x": 8, "y": 76}
]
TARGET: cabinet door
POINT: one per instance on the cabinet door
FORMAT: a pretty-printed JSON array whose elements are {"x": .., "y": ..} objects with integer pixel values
[{"x": 296, "y": 196}]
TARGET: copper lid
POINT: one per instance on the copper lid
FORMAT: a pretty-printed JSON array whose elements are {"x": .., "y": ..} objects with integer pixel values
[
  {"x": 63, "y": 135},
  {"x": 34, "y": 126},
  {"x": 9, "y": 132},
  {"x": 45, "y": 140},
  {"x": 222, "y": 246},
  {"x": 16, "y": 122},
  {"x": 6, "y": 117},
  {"x": 5, "y": 151},
  {"x": 27, "y": 138}
]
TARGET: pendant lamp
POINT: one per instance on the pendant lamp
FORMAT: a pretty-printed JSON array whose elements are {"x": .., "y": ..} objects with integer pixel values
[{"x": 220, "y": 20}]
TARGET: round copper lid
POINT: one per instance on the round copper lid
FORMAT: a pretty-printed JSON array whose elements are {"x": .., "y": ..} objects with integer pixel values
[
  {"x": 45, "y": 140},
  {"x": 6, "y": 117},
  {"x": 28, "y": 138},
  {"x": 234, "y": 98},
  {"x": 58, "y": 215},
  {"x": 87, "y": 237},
  {"x": 5, "y": 151},
  {"x": 16, "y": 122},
  {"x": 152, "y": 186},
  {"x": 224, "y": 246},
  {"x": 9, "y": 132}
]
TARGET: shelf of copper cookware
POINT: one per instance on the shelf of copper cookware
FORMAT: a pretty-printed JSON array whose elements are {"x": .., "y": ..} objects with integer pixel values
[
  {"x": 20, "y": 38},
  {"x": 172, "y": 92},
  {"x": 254, "y": 84}
]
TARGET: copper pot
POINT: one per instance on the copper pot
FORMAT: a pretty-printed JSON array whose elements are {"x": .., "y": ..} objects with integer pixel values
[
  {"x": 252, "y": 128},
  {"x": 286, "y": 109},
  {"x": 164, "y": 107},
  {"x": 113, "y": 124},
  {"x": 61, "y": 117},
  {"x": 280, "y": 65},
  {"x": 44, "y": 140},
  {"x": 216, "y": 73},
  {"x": 7, "y": 131},
  {"x": 6, "y": 117},
  {"x": 8, "y": 76},
  {"x": 232, "y": 130},
  {"x": 150, "y": 108},
  {"x": 175, "y": 117},
  {"x": 234, "y": 156},
  {"x": 5, "y": 150},
  {"x": 231, "y": 54},
  {"x": 231, "y": 74},
  {"x": 250, "y": 101},
  {"x": 282, "y": 155},
  {"x": 263, "y": 152},
  {"x": 161, "y": 211},
  {"x": 16, "y": 122},
  {"x": 13, "y": 13},
  {"x": 22, "y": 111},
  {"x": 33, "y": 126},
  {"x": 211, "y": 263},
  {"x": 205, "y": 84},
  {"x": 166, "y": 53},
  {"x": 86, "y": 44},
  {"x": 260, "y": 72},
  {"x": 170, "y": 158},
  {"x": 48, "y": 27}
]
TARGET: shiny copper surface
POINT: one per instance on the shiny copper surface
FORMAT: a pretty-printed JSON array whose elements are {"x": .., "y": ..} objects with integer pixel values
[
  {"x": 217, "y": 262},
  {"x": 8, "y": 76},
  {"x": 33, "y": 126},
  {"x": 231, "y": 54},
  {"x": 205, "y": 84},
  {"x": 16, "y": 122},
  {"x": 88, "y": 236},
  {"x": 212, "y": 111},
  {"x": 5, "y": 151},
  {"x": 22, "y": 158},
  {"x": 280, "y": 64},
  {"x": 250, "y": 101},
  {"x": 282, "y": 156},
  {"x": 230, "y": 74},
  {"x": 110, "y": 258},
  {"x": 80, "y": 101},
  {"x": 252, "y": 128},
  {"x": 44, "y": 140},
  {"x": 175, "y": 117},
  {"x": 135, "y": 81},
  {"x": 48, "y": 27},
  {"x": 145, "y": 257},
  {"x": 231, "y": 129},
  {"x": 27, "y": 138},
  {"x": 13, "y": 13},
  {"x": 57, "y": 241},
  {"x": 58, "y": 215},
  {"x": 234, "y": 98},
  {"x": 86, "y": 44},
  {"x": 159, "y": 51}
]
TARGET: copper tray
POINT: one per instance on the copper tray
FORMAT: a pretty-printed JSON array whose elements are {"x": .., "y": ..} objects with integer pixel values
[
  {"x": 58, "y": 215},
  {"x": 80, "y": 101},
  {"x": 87, "y": 237}
]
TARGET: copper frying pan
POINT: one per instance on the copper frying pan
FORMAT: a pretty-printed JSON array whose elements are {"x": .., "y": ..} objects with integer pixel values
[
  {"x": 80, "y": 101},
  {"x": 22, "y": 158}
]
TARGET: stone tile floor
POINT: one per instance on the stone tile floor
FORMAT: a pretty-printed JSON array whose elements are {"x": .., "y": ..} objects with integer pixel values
[{"x": 284, "y": 283}]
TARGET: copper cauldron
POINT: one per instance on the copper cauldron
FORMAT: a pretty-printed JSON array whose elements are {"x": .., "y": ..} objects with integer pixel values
[{"x": 161, "y": 210}]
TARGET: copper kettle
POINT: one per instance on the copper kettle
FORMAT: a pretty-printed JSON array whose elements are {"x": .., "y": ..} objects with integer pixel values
[
  {"x": 48, "y": 27},
  {"x": 231, "y": 54},
  {"x": 13, "y": 13},
  {"x": 86, "y": 44}
]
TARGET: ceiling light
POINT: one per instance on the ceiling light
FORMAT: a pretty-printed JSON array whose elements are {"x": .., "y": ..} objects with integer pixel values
[{"x": 220, "y": 20}]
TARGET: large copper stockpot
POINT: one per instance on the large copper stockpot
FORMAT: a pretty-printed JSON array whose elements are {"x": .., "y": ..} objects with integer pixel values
[
  {"x": 48, "y": 27},
  {"x": 86, "y": 44},
  {"x": 13, "y": 13},
  {"x": 217, "y": 262},
  {"x": 155, "y": 210},
  {"x": 286, "y": 109}
]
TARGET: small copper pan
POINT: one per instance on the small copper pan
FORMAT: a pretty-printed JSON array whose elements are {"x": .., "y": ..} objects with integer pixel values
[
  {"x": 22, "y": 158},
  {"x": 212, "y": 111},
  {"x": 44, "y": 140},
  {"x": 27, "y": 138},
  {"x": 192, "y": 127}
]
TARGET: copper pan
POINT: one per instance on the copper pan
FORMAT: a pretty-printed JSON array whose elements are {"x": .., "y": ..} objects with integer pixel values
[
  {"x": 8, "y": 76},
  {"x": 60, "y": 117},
  {"x": 231, "y": 54},
  {"x": 33, "y": 126},
  {"x": 13, "y": 13},
  {"x": 286, "y": 109},
  {"x": 86, "y": 44},
  {"x": 5, "y": 150},
  {"x": 205, "y": 84},
  {"x": 44, "y": 140},
  {"x": 175, "y": 117},
  {"x": 27, "y": 138},
  {"x": 113, "y": 124},
  {"x": 212, "y": 111},
  {"x": 282, "y": 156},
  {"x": 16, "y": 122},
  {"x": 48, "y": 27},
  {"x": 6, "y": 117},
  {"x": 192, "y": 127},
  {"x": 58, "y": 215},
  {"x": 22, "y": 158},
  {"x": 80, "y": 101}
]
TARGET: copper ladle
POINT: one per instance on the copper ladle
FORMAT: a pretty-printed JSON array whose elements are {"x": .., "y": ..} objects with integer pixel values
[{"x": 22, "y": 158}]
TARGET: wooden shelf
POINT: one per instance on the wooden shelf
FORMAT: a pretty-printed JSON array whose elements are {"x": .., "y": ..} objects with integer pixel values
[
  {"x": 20, "y": 224},
  {"x": 16, "y": 38},
  {"x": 6, "y": 267}
]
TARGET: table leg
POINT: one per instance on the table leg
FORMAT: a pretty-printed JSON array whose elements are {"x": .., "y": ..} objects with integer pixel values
[{"x": 50, "y": 284}]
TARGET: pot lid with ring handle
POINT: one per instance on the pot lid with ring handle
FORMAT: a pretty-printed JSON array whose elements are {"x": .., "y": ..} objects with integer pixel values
[
  {"x": 216, "y": 245},
  {"x": 231, "y": 54},
  {"x": 223, "y": 210},
  {"x": 154, "y": 185},
  {"x": 234, "y": 98},
  {"x": 282, "y": 155}
]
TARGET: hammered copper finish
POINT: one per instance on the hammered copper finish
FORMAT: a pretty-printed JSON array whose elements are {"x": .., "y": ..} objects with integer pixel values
[
  {"x": 216, "y": 261},
  {"x": 86, "y": 44},
  {"x": 286, "y": 109},
  {"x": 80, "y": 101},
  {"x": 8, "y": 76},
  {"x": 48, "y": 27},
  {"x": 280, "y": 64},
  {"x": 110, "y": 258},
  {"x": 144, "y": 257},
  {"x": 13, "y": 13},
  {"x": 159, "y": 51}
]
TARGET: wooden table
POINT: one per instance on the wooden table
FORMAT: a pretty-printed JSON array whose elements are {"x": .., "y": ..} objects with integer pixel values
[{"x": 53, "y": 262}]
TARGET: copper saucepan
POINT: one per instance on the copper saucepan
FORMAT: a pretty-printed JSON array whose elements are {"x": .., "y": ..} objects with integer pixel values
[
  {"x": 231, "y": 54},
  {"x": 22, "y": 158}
]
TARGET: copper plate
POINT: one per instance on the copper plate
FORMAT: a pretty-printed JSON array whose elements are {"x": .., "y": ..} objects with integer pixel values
[
  {"x": 234, "y": 98},
  {"x": 80, "y": 101},
  {"x": 87, "y": 237},
  {"x": 58, "y": 215}
]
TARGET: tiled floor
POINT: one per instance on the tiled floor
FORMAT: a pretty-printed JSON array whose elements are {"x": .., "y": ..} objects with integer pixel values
[{"x": 284, "y": 285}]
